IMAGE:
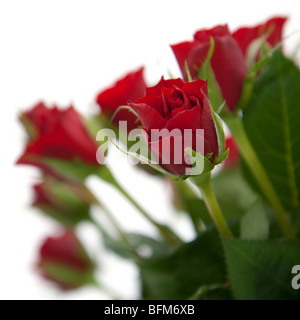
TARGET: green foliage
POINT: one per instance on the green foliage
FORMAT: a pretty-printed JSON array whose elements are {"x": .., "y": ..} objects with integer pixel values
[
  {"x": 255, "y": 223},
  {"x": 261, "y": 270},
  {"x": 271, "y": 120},
  {"x": 181, "y": 274},
  {"x": 148, "y": 248},
  {"x": 221, "y": 138}
]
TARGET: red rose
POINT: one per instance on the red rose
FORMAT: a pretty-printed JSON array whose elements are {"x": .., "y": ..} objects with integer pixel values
[
  {"x": 274, "y": 26},
  {"x": 227, "y": 62},
  {"x": 69, "y": 203},
  {"x": 64, "y": 261},
  {"x": 174, "y": 104},
  {"x": 233, "y": 157},
  {"x": 57, "y": 134},
  {"x": 131, "y": 87}
]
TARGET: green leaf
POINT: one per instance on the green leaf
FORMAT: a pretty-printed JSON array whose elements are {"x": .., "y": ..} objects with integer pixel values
[
  {"x": 261, "y": 270},
  {"x": 181, "y": 274},
  {"x": 147, "y": 247},
  {"x": 250, "y": 80},
  {"x": 220, "y": 132},
  {"x": 119, "y": 247},
  {"x": 187, "y": 70},
  {"x": 255, "y": 223},
  {"x": 200, "y": 160},
  {"x": 206, "y": 73},
  {"x": 221, "y": 157},
  {"x": 271, "y": 121}
]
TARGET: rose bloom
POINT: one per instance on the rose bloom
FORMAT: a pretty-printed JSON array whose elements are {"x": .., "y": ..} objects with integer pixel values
[
  {"x": 56, "y": 134},
  {"x": 130, "y": 87},
  {"x": 175, "y": 104},
  {"x": 64, "y": 261},
  {"x": 228, "y": 61}
]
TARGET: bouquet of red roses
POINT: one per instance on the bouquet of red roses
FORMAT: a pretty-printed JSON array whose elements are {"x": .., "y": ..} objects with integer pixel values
[{"x": 240, "y": 190}]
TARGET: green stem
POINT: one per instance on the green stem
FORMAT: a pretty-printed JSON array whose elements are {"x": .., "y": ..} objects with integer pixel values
[
  {"x": 164, "y": 230},
  {"x": 94, "y": 200},
  {"x": 121, "y": 233},
  {"x": 204, "y": 184},
  {"x": 113, "y": 221},
  {"x": 250, "y": 157},
  {"x": 99, "y": 227}
]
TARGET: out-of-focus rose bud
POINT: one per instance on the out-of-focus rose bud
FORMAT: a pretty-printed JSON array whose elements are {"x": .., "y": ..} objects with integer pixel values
[
  {"x": 131, "y": 87},
  {"x": 64, "y": 261},
  {"x": 58, "y": 137},
  {"x": 68, "y": 203}
]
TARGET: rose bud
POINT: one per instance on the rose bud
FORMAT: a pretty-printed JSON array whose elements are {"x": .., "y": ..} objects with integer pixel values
[
  {"x": 174, "y": 104},
  {"x": 68, "y": 203},
  {"x": 233, "y": 158},
  {"x": 273, "y": 29},
  {"x": 131, "y": 87},
  {"x": 64, "y": 261},
  {"x": 57, "y": 137},
  {"x": 227, "y": 61}
]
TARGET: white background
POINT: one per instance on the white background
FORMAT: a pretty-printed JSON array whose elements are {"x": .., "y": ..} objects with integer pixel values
[{"x": 65, "y": 51}]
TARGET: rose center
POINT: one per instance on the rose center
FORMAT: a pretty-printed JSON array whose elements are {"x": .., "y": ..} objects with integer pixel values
[{"x": 175, "y": 103}]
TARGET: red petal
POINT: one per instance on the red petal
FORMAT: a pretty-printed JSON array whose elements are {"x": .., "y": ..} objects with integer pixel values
[
  {"x": 187, "y": 119},
  {"x": 155, "y": 102},
  {"x": 66, "y": 250},
  {"x": 230, "y": 69},
  {"x": 244, "y": 36},
  {"x": 210, "y": 134},
  {"x": 195, "y": 88},
  {"x": 205, "y": 34},
  {"x": 170, "y": 83},
  {"x": 191, "y": 52},
  {"x": 131, "y": 87},
  {"x": 167, "y": 155},
  {"x": 149, "y": 117}
]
